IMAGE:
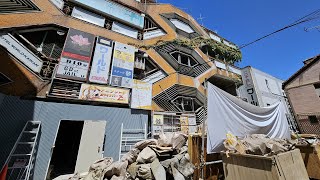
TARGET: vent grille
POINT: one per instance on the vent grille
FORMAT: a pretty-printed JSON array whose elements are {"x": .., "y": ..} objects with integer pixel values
[
  {"x": 13, "y": 6},
  {"x": 65, "y": 89}
]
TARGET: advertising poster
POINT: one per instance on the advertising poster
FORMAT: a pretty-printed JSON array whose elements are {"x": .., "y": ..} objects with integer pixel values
[
  {"x": 90, "y": 92},
  {"x": 249, "y": 87},
  {"x": 101, "y": 61},
  {"x": 158, "y": 120},
  {"x": 141, "y": 95},
  {"x": 76, "y": 55},
  {"x": 122, "y": 65},
  {"x": 125, "y": 30},
  {"x": 184, "y": 124}
]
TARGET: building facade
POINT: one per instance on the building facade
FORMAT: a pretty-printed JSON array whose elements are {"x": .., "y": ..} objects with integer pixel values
[
  {"x": 262, "y": 89},
  {"x": 302, "y": 89},
  {"x": 78, "y": 64}
]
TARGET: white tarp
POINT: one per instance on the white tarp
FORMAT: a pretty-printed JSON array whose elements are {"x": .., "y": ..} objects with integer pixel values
[{"x": 227, "y": 113}]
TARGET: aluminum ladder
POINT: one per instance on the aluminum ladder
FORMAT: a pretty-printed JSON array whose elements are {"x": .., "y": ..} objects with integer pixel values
[
  {"x": 22, "y": 157},
  {"x": 129, "y": 137}
]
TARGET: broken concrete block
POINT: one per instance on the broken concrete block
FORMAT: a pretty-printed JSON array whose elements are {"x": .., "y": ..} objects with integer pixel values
[
  {"x": 147, "y": 155},
  {"x": 143, "y": 144},
  {"x": 144, "y": 171},
  {"x": 185, "y": 167},
  {"x": 133, "y": 169},
  {"x": 158, "y": 170},
  {"x": 179, "y": 140},
  {"x": 97, "y": 169},
  {"x": 165, "y": 140},
  {"x": 162, "y": 151},
  {"x": 176, "y": 174},
  {"x": 131, "y": 156},
  {"x": 117, "y": 168}
]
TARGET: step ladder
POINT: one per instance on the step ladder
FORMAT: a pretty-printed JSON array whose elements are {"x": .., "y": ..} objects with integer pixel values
[
  {"x": 22, "y": 157},
  {"x": 129, "y": 137}
]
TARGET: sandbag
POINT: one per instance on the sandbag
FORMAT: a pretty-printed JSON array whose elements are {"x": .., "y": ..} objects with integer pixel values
[
  {"x": 147, "y": 155},
  {"x": 117, "y": 168},
  {"x": 97, "y": 169},
  {"x": 131, "y": 156},
  {"x": 144, "y": 171},
  {"x": 143, "y": 144},
  {"x": 158, "y": 170},
  {"x": 178, "y": 140}
]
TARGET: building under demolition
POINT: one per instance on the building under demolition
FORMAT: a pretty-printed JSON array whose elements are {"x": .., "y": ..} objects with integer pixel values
[{"x": 113, "y": 71}]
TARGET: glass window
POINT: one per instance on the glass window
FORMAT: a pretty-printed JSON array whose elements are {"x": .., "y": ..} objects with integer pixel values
[
  {"x": 182, "y": 26},
  {"x": 313, "y": 119},
  {"x": 184, "y": 59},
  {"x": 317, "y": 87}
]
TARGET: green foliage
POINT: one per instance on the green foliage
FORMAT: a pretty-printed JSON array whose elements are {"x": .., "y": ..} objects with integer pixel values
[{"x": 223, "y": 52}]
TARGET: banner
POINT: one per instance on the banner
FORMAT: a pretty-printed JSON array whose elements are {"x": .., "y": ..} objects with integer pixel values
[
  {"x": 125, "y": 30},
  {"x": 90, "y": 92},
  {"x": 122, "y": 65},
  {"x": 22, "y": 53},
  {"x": 114, "y": 10},
  {"x": 141, "y": 95},
  {"x": 76, "y": 55},
  {"x": 101, "y": 61},
  {"x": 88, "y": 16}
]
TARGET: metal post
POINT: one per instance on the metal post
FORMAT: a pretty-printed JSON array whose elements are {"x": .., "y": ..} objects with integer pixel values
[{"x": 202, "y": 164}]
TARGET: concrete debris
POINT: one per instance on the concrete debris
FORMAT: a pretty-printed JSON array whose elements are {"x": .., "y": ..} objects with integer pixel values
[
  {"x": 150, "y": 159},
  {"x": 143, "y": 144},
  {"x": 131, "y": 156},
  {"x": 144, "y": 171},
  {"x": 258, "y": 144},
  {"x": 147, "y": 155},
  {"x": 158, "y": 170}
]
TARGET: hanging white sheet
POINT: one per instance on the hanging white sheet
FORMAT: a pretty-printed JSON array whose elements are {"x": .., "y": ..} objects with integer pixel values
[{"x": 227, "y": 113}]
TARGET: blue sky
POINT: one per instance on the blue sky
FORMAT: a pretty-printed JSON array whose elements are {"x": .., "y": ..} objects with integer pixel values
[{"x": 280, "y": 55}]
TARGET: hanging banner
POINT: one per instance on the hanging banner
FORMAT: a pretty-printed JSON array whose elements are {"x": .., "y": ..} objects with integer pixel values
[
  {"x": 90, "y": 92},
  {"x": 22, "y": 53},
  {"x": 101, "y": 61},
  {"x": 141, "y": 97},
  {"x": 88, "y": 16},
  {"x": 249, "y": 86},
  {"x": 76, "y": 55},
  {"x": 114, "y": 10},
  {"x": 125, "y": 30},
  {"x": 122, "y": 65}
]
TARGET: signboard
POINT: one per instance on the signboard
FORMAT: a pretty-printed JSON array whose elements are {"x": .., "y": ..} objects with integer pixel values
[
  {"x": 101, "y": 61},
  {"x": 58, "y": 3},
  {"x": 153, "y": 34},
  {"x": 22, "y": 53},
  {"x": 73, "y": 69},
  {"x": 122, "y": 65},
  {"x": 249, "y": 86},
  {"x": 90, "y": 92},
  {"x": 76, "y": 55},
  {"x": 114, "y": 10},
  {"x": 125, "y": 30},
  {"x": 88, "y": 16},
  {"x": 184, "y": 124},
  {"x": 158, "y": 120},
  {"x": 141, "y": 97}
]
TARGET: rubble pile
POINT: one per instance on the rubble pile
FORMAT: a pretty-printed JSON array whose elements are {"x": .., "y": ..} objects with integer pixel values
[
  {"x": 165, "y": 158},
  {"x": 257, "y": 144}
]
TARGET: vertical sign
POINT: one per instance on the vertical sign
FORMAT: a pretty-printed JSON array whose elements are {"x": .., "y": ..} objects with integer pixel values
[
  {"x": 184, "y": 123},
  {"x": 141, "y": 95},
  {"x": 101, "y": 61},
  {"x": 76, "y": 55},
  {"x": 249, "y": 86},
  {"x": 122, "y": 65}
]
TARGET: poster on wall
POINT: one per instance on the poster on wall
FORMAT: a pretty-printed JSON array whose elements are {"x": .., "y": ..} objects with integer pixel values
[
  {"x": 91, "y": 92},
  {"x": 249, "y": 87},
  {"x": 101, "y": 61},
  {"x": 184, "y": 123},
  {"x": 141, "y": 97},
  {"x": 76, "y": 55},
  {"x": 122, "y": 65}
]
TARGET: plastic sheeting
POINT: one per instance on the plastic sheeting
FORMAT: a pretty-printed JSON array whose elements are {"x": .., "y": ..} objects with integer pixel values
[{"x": 227, "y": 113}]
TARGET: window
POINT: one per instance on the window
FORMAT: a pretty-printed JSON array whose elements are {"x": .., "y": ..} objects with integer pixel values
[
  {"x": 268, "y": 104},
  {"x": 313, "y": 119},
  {"x": 182, "y": 26},
  {"x": 13, "y": 6},
  {"x": 143, "y": 66},
  {"x": 184, "y": 59},
  {"x": 317, "y": 87},
  {"x": 4, "y": 79},
  {"x": 186, "y": 104}
]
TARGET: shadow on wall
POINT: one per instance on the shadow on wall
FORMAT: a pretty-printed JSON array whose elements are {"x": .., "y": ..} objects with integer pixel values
[{"x": 14, "y": 113}]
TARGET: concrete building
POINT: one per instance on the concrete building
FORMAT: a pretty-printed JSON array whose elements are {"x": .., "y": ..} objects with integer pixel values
[
  {"x": 303, "y": 91},
  {"x": 262, "y": 89},
  {"x": 87, "y": 68}
]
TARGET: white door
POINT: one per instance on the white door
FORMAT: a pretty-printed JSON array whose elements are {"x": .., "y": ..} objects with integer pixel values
[{"x": 90, "y": 149}]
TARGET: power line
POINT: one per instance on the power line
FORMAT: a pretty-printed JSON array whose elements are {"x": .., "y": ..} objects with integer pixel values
[{"x": 309, "y": 17}]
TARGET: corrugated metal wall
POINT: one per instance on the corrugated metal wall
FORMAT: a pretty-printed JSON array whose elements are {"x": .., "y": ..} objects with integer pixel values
[{"x": 14, "y": 113}]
